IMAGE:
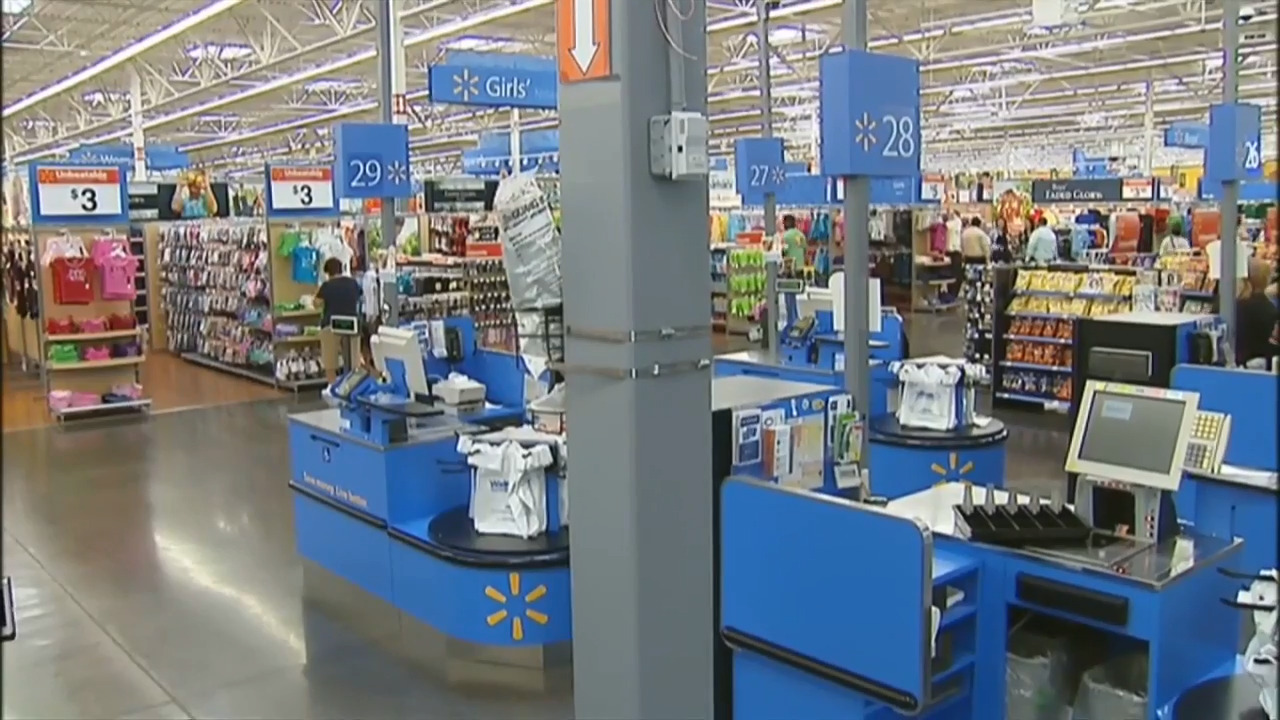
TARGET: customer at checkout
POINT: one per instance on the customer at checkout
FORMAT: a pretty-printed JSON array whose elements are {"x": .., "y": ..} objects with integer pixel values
[
  {"x": 1042, "y": 246},
  {"x": 1256, "y": 317},
  {"x": 339, "y": 296}
]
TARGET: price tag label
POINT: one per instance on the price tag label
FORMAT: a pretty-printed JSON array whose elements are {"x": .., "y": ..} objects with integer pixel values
[
  {"x": 79, "y": 191},
  {"x": 1137, "y": 189},
  {"x": 932, "y": 189},
  {"x": 302, "y": 188}
]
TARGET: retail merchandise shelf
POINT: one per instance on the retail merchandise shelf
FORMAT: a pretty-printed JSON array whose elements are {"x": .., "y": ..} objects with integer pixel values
[
  {"x": 263, "y": 377},
  {"x": 298, "y": 339},
  {"x": 143, "y": 404},
  {"x": 95, "y": 364},
  {"x": 1035, "y": 366},
  {"x": 1067, "y": 294},
  {"x": 297, "y": 313},
  {"x": 307, "y": 384},
  {"x": 1039, "y": 339},
  {"x": 84, "y": 337},
  {"x": 1049, "y": 403}
]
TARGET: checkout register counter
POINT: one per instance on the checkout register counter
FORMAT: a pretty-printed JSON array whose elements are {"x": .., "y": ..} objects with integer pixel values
[
  {"x": 811, "y": 344},
  {"x": 1229, "y": 488},
  {"x": 918, "y": 616},
  {"x": 382, "y": 491}
]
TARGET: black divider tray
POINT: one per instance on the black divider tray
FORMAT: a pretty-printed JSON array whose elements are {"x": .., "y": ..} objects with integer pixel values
[{"x": 1022, "y": 525}]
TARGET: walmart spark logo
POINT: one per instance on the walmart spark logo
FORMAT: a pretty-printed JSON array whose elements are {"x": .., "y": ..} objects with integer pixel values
[
  {"x": 866, "y": 132},
  {"x": 512, "y": 609},
  {"x": 952, "y": 472},
  {"x": 466, "y": 85}
]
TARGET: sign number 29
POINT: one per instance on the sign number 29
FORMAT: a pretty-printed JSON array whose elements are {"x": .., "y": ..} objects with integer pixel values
[
  {"x": 365, "y": 173},
  {"x": 902, "y": 137}
]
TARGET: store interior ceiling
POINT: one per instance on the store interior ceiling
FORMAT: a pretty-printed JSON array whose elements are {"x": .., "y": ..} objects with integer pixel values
[{"x": 237, "y": 82}]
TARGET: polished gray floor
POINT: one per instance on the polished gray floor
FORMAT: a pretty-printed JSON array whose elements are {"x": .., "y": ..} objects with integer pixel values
[{"x": 155, "y": 577}]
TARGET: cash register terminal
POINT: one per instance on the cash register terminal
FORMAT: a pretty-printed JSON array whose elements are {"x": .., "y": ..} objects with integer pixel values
[{"x": 1128, "y": 446}]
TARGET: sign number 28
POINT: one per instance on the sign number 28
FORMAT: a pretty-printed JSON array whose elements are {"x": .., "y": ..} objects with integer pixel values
[{"x": 902, "y": 137}]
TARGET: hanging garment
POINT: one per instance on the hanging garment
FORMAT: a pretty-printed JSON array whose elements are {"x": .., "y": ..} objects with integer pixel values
[
  {"x": 306, "y": 265},
  {"x": 119, "y": 275},
  {"x": 71, "y": 284}
]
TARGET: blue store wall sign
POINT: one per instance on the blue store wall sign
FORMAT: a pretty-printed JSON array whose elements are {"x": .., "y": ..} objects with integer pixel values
[
  {"x": 1077, "y": 190},
  {"x": 495, "y": 80},
  {"x": 1187, "y": 135},
  {"x": 158, "y": 157}
]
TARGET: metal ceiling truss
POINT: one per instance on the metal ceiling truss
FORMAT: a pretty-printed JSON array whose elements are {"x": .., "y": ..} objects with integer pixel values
[{"x": 298, "y": 67}]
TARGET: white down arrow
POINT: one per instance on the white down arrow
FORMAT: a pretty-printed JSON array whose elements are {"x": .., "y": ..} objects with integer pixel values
[{"x": 584, "y": 37}]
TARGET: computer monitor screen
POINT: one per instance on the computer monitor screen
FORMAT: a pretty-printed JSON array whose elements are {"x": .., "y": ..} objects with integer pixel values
[
  {"x": 1119, "y": 365},
  {"x": 1132, "y": 434},
  {"x": 392, "y": 344}
]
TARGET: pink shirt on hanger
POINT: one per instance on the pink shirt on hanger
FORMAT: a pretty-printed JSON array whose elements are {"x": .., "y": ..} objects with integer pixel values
[
  {"x": 118, "y": 277},
  {"x": 104, "y": 248}
]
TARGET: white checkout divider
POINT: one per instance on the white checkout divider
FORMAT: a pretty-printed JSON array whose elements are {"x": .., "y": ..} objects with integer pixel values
[{"x": 854, "y": 633}]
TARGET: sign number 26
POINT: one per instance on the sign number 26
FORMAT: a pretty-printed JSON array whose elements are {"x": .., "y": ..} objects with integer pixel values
[{"x": 902, "y": 137}]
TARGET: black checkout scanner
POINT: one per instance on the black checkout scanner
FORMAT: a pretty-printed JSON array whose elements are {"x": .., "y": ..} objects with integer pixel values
[{"x": 1126, "y": 450}]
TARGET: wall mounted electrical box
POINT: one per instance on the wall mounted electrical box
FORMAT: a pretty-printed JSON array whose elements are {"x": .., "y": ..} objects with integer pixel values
[{"x": 678, "y": 145}]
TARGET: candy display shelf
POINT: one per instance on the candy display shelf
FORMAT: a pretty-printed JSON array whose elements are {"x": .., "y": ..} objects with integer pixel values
[{"x": 1035, "y": 323}]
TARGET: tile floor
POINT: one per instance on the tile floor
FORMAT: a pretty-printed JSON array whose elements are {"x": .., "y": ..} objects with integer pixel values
[{"x": 155, "y": 577}]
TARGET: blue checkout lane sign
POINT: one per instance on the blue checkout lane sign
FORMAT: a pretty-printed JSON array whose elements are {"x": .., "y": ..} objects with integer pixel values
[
  {"x": 758, "y": 167},
  {"x": 1235, "y": 143},
  {"x": 372, "y": 161},
  {"x": 869, "y": 107},
  {"x": 494, "y": 86}
]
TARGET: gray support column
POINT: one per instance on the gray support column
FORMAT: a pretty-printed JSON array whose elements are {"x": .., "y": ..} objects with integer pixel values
[
  {"x": 857, "y": 205},
  {"x": 766, "y": 111},
  {"x": 389, "y": 44},
  {"x": 1230, "y": 204},
  {"x": 1149, "y": 129},
  {"x": 769, "y": 334},
  {"x": 642, "y": 496}
]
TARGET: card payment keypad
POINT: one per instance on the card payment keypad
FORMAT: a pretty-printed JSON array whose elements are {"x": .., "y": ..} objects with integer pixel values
[{"x": 1208, "y": 441}]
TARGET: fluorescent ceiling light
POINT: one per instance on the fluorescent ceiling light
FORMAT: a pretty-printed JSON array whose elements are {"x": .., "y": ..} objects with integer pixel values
[
  {"x": 219, "y": 51},
  {"x": 334, "y": 85},
  {"x": 101, "y": 97},
  {"x": 15, "y": 7},
  {"x": 122, "y": 56}
]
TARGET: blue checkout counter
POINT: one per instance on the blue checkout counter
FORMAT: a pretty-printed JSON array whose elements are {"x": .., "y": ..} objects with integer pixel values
[
  {"x": 392, "y": 518},
  {"x": 915, "y": 619},
  {"x": 1241, "y": 499},
  {"x": 817, "y": 636},
  {"x": 818, "y": 357}
]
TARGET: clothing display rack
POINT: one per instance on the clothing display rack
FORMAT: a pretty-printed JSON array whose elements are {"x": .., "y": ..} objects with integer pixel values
[
  {"x": 298, "y": 250},
  {"x": 217, "y": 295},
  {"x": 89, "y": 338},
  {"x": 979, "y": 303},
  {"x": 21, "y": 299},
  {"x": 1035, "y": 324},
  {"x": 936, "y": 269}
]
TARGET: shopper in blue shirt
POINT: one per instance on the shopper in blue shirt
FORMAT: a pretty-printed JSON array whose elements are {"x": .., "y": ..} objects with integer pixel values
[{"x": 1042, "y": 246}]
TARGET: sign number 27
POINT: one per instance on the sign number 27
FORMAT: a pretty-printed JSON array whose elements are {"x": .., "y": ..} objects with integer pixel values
[{"x": 902, "y": 137}]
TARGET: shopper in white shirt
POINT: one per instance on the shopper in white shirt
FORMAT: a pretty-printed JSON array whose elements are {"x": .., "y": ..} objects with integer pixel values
[
  {"x": 1042, "y": 246},
  {"x": 975, "y": 245}
]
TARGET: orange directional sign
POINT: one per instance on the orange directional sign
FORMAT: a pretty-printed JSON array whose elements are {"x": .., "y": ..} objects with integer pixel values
[{"x": 583, "y": 44}]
